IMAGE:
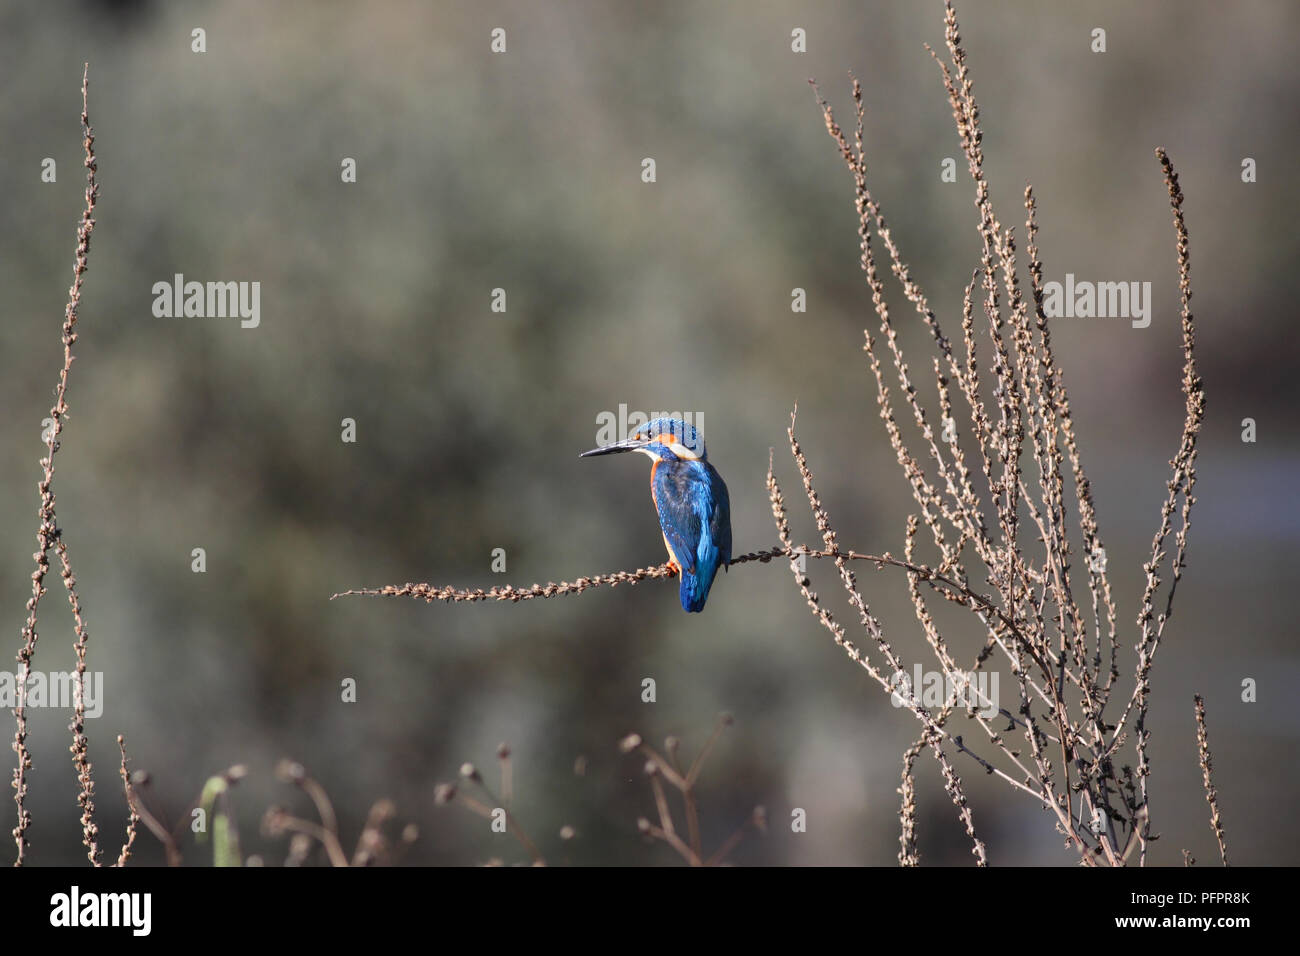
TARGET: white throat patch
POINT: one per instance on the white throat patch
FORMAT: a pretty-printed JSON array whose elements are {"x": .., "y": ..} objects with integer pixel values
[{"x": 677, "y": 448}]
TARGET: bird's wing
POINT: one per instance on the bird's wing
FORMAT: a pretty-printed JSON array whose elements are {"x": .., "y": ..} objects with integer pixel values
[
  {"x": 683, "y": 499},
  {"x": 720, "y": 516}
]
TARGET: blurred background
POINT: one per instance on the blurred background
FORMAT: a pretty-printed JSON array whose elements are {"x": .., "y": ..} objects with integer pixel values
[{"x": 522, "y": 171}]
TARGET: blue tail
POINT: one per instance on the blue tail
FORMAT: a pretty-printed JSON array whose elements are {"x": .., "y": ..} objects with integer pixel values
[
  {"x": 696, "y": 584},
  {"x": 694, "y": 592}
]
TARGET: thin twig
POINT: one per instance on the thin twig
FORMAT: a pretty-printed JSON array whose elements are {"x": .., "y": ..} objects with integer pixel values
[
  {"x": 1207, "y": 778},
  {"x": 134, "y": 818},
  {"x": 48, "y": 534}
]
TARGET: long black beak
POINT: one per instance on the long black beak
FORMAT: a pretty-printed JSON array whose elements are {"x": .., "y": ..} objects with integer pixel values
[{"x": 632, "y": 444}]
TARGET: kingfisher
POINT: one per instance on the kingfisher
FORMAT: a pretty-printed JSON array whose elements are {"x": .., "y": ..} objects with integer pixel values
[{"x": 690, "y": 498}]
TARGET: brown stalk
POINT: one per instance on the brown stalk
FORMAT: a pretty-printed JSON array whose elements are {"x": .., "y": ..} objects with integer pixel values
[
  {"x": 1207, "y": 778},
  {"x": 49, "y": 535}
]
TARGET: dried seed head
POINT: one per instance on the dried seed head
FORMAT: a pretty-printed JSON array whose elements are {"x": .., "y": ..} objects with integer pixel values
[
  {"x": 444, "y": 793},
  {"x": 290, "y": 771},
  {"x": 273, "y": 821}
]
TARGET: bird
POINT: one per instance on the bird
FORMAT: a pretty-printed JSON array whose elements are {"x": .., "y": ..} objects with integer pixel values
[{"x": 690, "y": 498}]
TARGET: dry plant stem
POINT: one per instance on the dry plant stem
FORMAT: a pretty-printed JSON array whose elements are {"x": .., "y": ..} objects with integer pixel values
[
  {"x": 688, "y": 791},
  {"x": 430, "y": 593},
  {"x": 327, "y": 831},
  {"x": 134, "y": 818},
  {"x": 299, "y": 850},
  {"x": 373, "y": 846},
  {"x": 1035, "y": 618},
  {"x": 907, "y": 855},
  {"x": 1058, "y": 401},
  {"x": 867, "y": 210},
  {"x": 952, "y": 783},
  {"x": 529, "y": 846},
  {"x": 80, "y": 744},
  {"x": 155, "y": 826},
  {"x": 692, "y": 822},
  {"x": 1207, "y": 778},
  {"x": 1008, "y": 439},
  {"x": 1182, "y": 482},
  {"x": 328, "y": 838},
  {"x": 952, "y": 590},
  {"x": 661, "y": 769},
  {"x": 512, "y": 822},
  {"x": 324, "y": 808},
  {"x": 673, "y": 840},
  {"x": 48, "y": 535},
  {"x": 757, "y": 820},
  {"x": 140, "y": 812},
  {"x": 949, "y": 588},
  {"x": 666, "y": 831},
  {"x": 318, "y": 833},
  {"x": 728, "y": 845}
]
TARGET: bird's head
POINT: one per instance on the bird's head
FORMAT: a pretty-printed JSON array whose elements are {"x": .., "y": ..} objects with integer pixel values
[{"x": 663, "y": 439}]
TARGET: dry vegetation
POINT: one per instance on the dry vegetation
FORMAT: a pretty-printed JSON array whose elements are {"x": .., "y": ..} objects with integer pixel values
[
  {"x": 1010, "y": 528},
  {"x": 1006, "y": 505}
]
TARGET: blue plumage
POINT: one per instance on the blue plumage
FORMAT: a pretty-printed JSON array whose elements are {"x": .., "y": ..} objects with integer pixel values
[
  {"x": 694, "y": 513},
  {"x": 691, "y": 500}
]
